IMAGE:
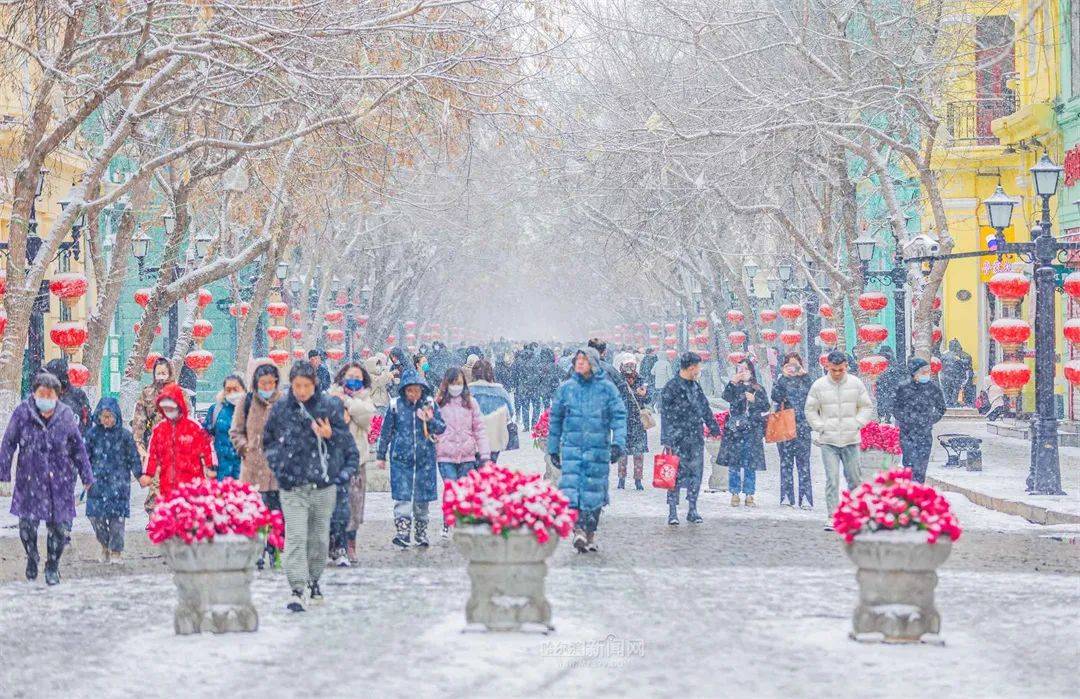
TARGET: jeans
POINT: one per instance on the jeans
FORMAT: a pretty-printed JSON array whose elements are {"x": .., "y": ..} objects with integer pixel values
[
  {"x": 109, "y": 532},
  {"x": 495, "y": 456},
  {"x": 451, "y": 471},
  {"x": 832, "y": 456},
  {"x": 691, "y": 468},
  {"x": 589, "y": 520},
  {"x": 410, "y": 509},
  {"x": 916, "y": 454},
  {"x": 307, "y": 512},
  {"x": 795, "y": 456},
  {"x": 54, "y": 547},
  {"x": 742, "y": 478}
]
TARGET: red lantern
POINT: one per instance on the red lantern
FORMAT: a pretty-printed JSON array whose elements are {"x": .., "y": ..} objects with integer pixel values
[
  {"x": 3, "y": 322},
  {"x": 828, "y": 336},
  {"x": 391, "y": 340},
  {"x": 935, "y": 366},
  {"x": 769, "y": 335},
  {"x": 790, "y": 312},
  {"x": 873, "y": 334},
  {"x": 669, "y": 328},
  {"x": 1011, "y": 377},
  {"x": 342, "y": 299},
  {"x": 201, "y": 330},
  {"x": 365, "y": 353},
  {"x": 203, "y": 298},
  {"x": 1071, "y": 330},
  {"x": 701, "y": 340},
  {"x": 334, "y": 317},
  {"x": 297, "y": 334},
  {"x": 142, "y": 297},
  {"x": 1071, "y": 285},
  {"x": 654, "y": 328},
  {"x": 199, "y": 361},
  {"x": 768, "y": 315},
  {"x": 362, "y": 320},
  {"x": 151, "y": 360},
  {"x": 736, "y": 357},
  {"x": 790, "y": 337},
  {"x": 410, "y": 339},
  {"x": 873, "y": 365},
  {"x": 670, "y": 341},
  {"x": 823, "y": 360},
  {"x": 78, "y": 375},
  {"x": 239, "y": 310},
  {"x": 654, "y": 342},
  {"x": 705, "y": 355},
  {"x": 937, "y": 303},
  {"x": 296, "y": 316},
  {"x": 873, "y": 301},
  {"x": 1011, "y": 333},
  {"x": 410, "y": 325},
  {"x": 935, "y": 335},
  {"x": 335, "y": 335},
  {"x": 335, "y": 353},
  {"x": 299, "y": 353},
  {"x": 700, "y": 323},
  {"x": 825, "y": 311},
  {"x": 277, "y": 309},
  {"x": 736, "y": 338},
  {"x": 69, "y": 287},
  {"x": 279, "y": 356},
  {"x": 1009, "y": 287},
  {"x": 277, "y": 333},
  {"x": 670, "y": 354},
  {"x": 3, "y": 283},
  {"x": 68, "y": 336},
  {"x": 1072, "y": 371}
]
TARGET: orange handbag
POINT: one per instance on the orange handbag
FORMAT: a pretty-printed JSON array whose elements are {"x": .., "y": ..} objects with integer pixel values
[{"x": 780, "y": 426}]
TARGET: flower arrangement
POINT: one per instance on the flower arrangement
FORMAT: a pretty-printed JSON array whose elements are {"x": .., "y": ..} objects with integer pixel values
[
  {"x": 376, "y": 429},
  {"x": 542, "y": 426},
  {"x": 880, "y": 437},
  {"x": 203, "y": 508},
  {"x": 721, "y": 419},
  {"x": 508, "y": 500},
  {"x": 893, "y": 501}
]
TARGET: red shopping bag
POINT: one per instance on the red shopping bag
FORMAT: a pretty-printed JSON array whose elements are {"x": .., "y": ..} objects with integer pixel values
[{"x": 665, "y": 471}]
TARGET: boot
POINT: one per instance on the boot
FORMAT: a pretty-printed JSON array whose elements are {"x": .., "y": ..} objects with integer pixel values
[
  {"x": 638, "y": 485},
  {"x": 673, "y": 515},
  {"x": 622, "y": 483},
  {"x": 590, "y": 543},
  {"x": 581, "y": 541},
  {"x": 750, "y": 501},
  {"x": 55, "y": 549},
  {"x": 29, "y": 542},
  {"x": 404, "y": 527},
  {"x": 421, "y": 533},
  {"x": 116, "y": 557},
  {"x": 734, "y": 499},
  {"x": 692, "y": 515}
]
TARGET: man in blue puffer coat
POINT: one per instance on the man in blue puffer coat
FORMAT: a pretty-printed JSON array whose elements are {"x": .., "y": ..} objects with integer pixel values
[{"x": 587, "y": 433}]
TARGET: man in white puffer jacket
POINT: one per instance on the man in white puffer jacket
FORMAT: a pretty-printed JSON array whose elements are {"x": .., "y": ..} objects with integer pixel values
[{"x": 837, "y": 408}]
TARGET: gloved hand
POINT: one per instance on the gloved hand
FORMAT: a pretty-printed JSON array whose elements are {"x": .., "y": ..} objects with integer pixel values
[
  {"x": 616, "y": 453},
  {"x": 556, "y": 461}
]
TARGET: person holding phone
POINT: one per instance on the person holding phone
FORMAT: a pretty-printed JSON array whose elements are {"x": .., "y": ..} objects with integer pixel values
[{"x": 744, "y": 432}]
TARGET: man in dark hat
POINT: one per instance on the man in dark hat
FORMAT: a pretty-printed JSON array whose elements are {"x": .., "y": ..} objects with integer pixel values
[{"x": 919, "y": 406}]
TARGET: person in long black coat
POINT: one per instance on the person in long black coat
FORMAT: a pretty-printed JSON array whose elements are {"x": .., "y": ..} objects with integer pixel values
[
  {"x": 115, "y": 461},
  {"x": 887, "y": 383},
  {"x": 790, "y": 391},
  {"x": 637, "y": 439},
  {"x": 919, "y": 406},
  {"x": 743, "y": 447},
  {"x": 71, "y": 396},
  {"x": 685, "y": 412}
]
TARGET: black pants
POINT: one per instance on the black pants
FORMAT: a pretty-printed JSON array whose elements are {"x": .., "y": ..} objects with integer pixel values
[
  {"x": 109, "y": 532},
  {"x": 339, "y": 521},
  {"x": 58, "y": 538},
  {"x": 916, "y": 453},
  {"x": 691, "y": 468},
  {"x": 528, "y": 409},
  {"x": 795, "y": 456}
]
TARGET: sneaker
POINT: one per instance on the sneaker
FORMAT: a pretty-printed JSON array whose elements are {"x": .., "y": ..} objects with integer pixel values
[
  {"x": 829, "y": 528},
  {"x": 638, "y": 485},
  {"x": 735, "y": 500},
  {"x": 787, "y": 504},
  {"x": 116, "y": 557},
  {"x": 750, "y": 501},
  {"x": 580, "y": 541},
  {"x": 445, "y": 532},
  {"x": 693, "y": 517},
  {"x": 296, "y": 601},
  {"x": 673, "y": 518},
  {"x": 261, "y": 563},
  {"x": 342, "y": 561},
  {"x": 806, "y": 507},
  {"x": 590, "y": 543},
  {"x": 314, "y": 593}
]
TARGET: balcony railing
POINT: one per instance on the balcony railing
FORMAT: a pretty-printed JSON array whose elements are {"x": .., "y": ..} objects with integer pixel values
[{"x": 968, "y": 121}]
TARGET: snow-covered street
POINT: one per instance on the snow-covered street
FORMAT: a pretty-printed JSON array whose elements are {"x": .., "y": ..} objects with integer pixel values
[{"x": 753, "y": 602}]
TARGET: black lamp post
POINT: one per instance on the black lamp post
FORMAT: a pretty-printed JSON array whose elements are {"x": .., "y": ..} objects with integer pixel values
[{"x": 897, "y": 278}]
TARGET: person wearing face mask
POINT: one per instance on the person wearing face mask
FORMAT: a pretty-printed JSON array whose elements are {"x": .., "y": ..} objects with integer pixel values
[
  {"x": 146, "y": 417},
  {"x": 180, "y": 450},
  {"x": 919, "y": 405},
  {"x": 45, "y": 432},
  {"x": 744, "y": 432},
  {"x": 351, "y": 387},
  {"x": 380, "y": 380},
  {"x": 115, "y": 460},
  {"x": 246, "y": 433},
  {"x": 218, "y": 422},
  {"x": 464, "y": 444}
]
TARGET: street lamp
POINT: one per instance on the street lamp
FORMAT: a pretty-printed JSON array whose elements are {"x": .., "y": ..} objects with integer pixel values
[
  {"x": 294, "y": 285},
  {"x": 1047, "y": 175},
  {"x": 140, "y": 247},
  {"x": 281, "y": 271},
  {"x": 170, "y": 222},
  {"x": 784, "y": 270},
  {"x": 202, "y": 244},
  {"x": 865, "y": 245},
  {"x": 897, "y": 278},
  {"x": 750, "y": 268},
  {"x": 999, "y": 209}
]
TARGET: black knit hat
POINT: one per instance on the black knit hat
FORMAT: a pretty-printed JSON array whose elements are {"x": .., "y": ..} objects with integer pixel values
[{"x": 689, "y": 359}]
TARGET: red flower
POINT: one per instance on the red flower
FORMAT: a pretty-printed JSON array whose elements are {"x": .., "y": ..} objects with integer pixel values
[
  {"x": 542, "y": 426},
  {"x": 199, "y": 510},
  {"x": 376, "y": 429},
  {"x": 894, "y": 501}
]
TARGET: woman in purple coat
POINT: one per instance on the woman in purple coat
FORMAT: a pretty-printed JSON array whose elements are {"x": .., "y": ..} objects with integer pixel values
[{"x": 46, "y": 434}]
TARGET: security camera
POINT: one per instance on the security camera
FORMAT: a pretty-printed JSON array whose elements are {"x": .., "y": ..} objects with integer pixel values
[{"x": 921, "y": 246}]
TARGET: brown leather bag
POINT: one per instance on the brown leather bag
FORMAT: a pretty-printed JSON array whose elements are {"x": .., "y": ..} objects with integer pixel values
[{"x": 780, "y": 426}]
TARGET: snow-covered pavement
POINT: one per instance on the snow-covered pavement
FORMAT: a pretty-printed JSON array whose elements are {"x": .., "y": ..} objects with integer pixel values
[{"x": 750, "y": 603}]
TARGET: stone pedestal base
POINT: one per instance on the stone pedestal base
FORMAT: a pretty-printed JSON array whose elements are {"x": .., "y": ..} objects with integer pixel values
[
  {"x": 897, "y": 577},
  {"x": 213, "y": 584},
  {"x": 718, "y": 475},
  {"x": 378, "y": 479},
  {"x": 507, "y": 577}
]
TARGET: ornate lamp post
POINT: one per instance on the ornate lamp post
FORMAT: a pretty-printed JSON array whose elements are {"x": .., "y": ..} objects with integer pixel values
[
  {"x": 897, "y": 278},
  {"x": 808, "y": 296}
]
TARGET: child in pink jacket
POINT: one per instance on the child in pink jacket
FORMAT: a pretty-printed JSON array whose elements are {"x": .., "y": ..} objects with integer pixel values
[{"x": 464, "y": 444}]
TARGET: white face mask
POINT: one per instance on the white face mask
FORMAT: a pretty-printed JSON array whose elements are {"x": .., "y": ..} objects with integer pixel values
[
  {"x": 170, "y": 413},
  {"x": 455, "y": 390},
  {"x": 235, "y": 397}
]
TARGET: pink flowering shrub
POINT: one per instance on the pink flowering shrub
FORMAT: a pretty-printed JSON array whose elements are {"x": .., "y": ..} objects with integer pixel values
[
  {"x": 721, "y": 419},
  {"x": 199, "y": 510},
  {"x": 508, "y": 500},
  {"x": 376, "y": 429},
  {"x": 881, "y": 437},
  {"x": 893, "y": 501}
]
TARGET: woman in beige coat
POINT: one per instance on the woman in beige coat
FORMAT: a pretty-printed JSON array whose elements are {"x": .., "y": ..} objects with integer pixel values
[
  {"x": 380, "y": 380},
  {"x": 246, "y": 433},
  {"x": 352, "y": 386}
]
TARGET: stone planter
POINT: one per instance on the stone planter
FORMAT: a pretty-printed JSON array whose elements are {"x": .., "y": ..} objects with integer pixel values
[
  {"x": 897, "y": 576},
  {"x": 507, "y": 577},
  {"x": 873, "y": 460},
  {"x": 213, "y": 583},
  {"x": 718, "y": 475}
]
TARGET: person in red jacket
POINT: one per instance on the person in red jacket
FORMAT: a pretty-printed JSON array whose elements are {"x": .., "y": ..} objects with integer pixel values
[{"x": 180, "y": 450}]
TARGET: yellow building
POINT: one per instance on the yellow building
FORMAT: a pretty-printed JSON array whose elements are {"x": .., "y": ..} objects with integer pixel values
[{"x": 998, "y": 121}]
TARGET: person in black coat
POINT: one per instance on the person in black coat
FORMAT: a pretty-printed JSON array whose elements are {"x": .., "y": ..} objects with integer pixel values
[
  {"x": 790, "y": 391},
  {"x": 919, "y": 406},
  {"x": 685, "y": 412},
  {"x": 317, "y": 359},
  {"x": 71, "y": 396},
  {"x": 743, "y": 447},
  {"x": 887, "y": 383},
  {"x": 550, "y": 375},
  {"x": 637, "y": 439}
]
